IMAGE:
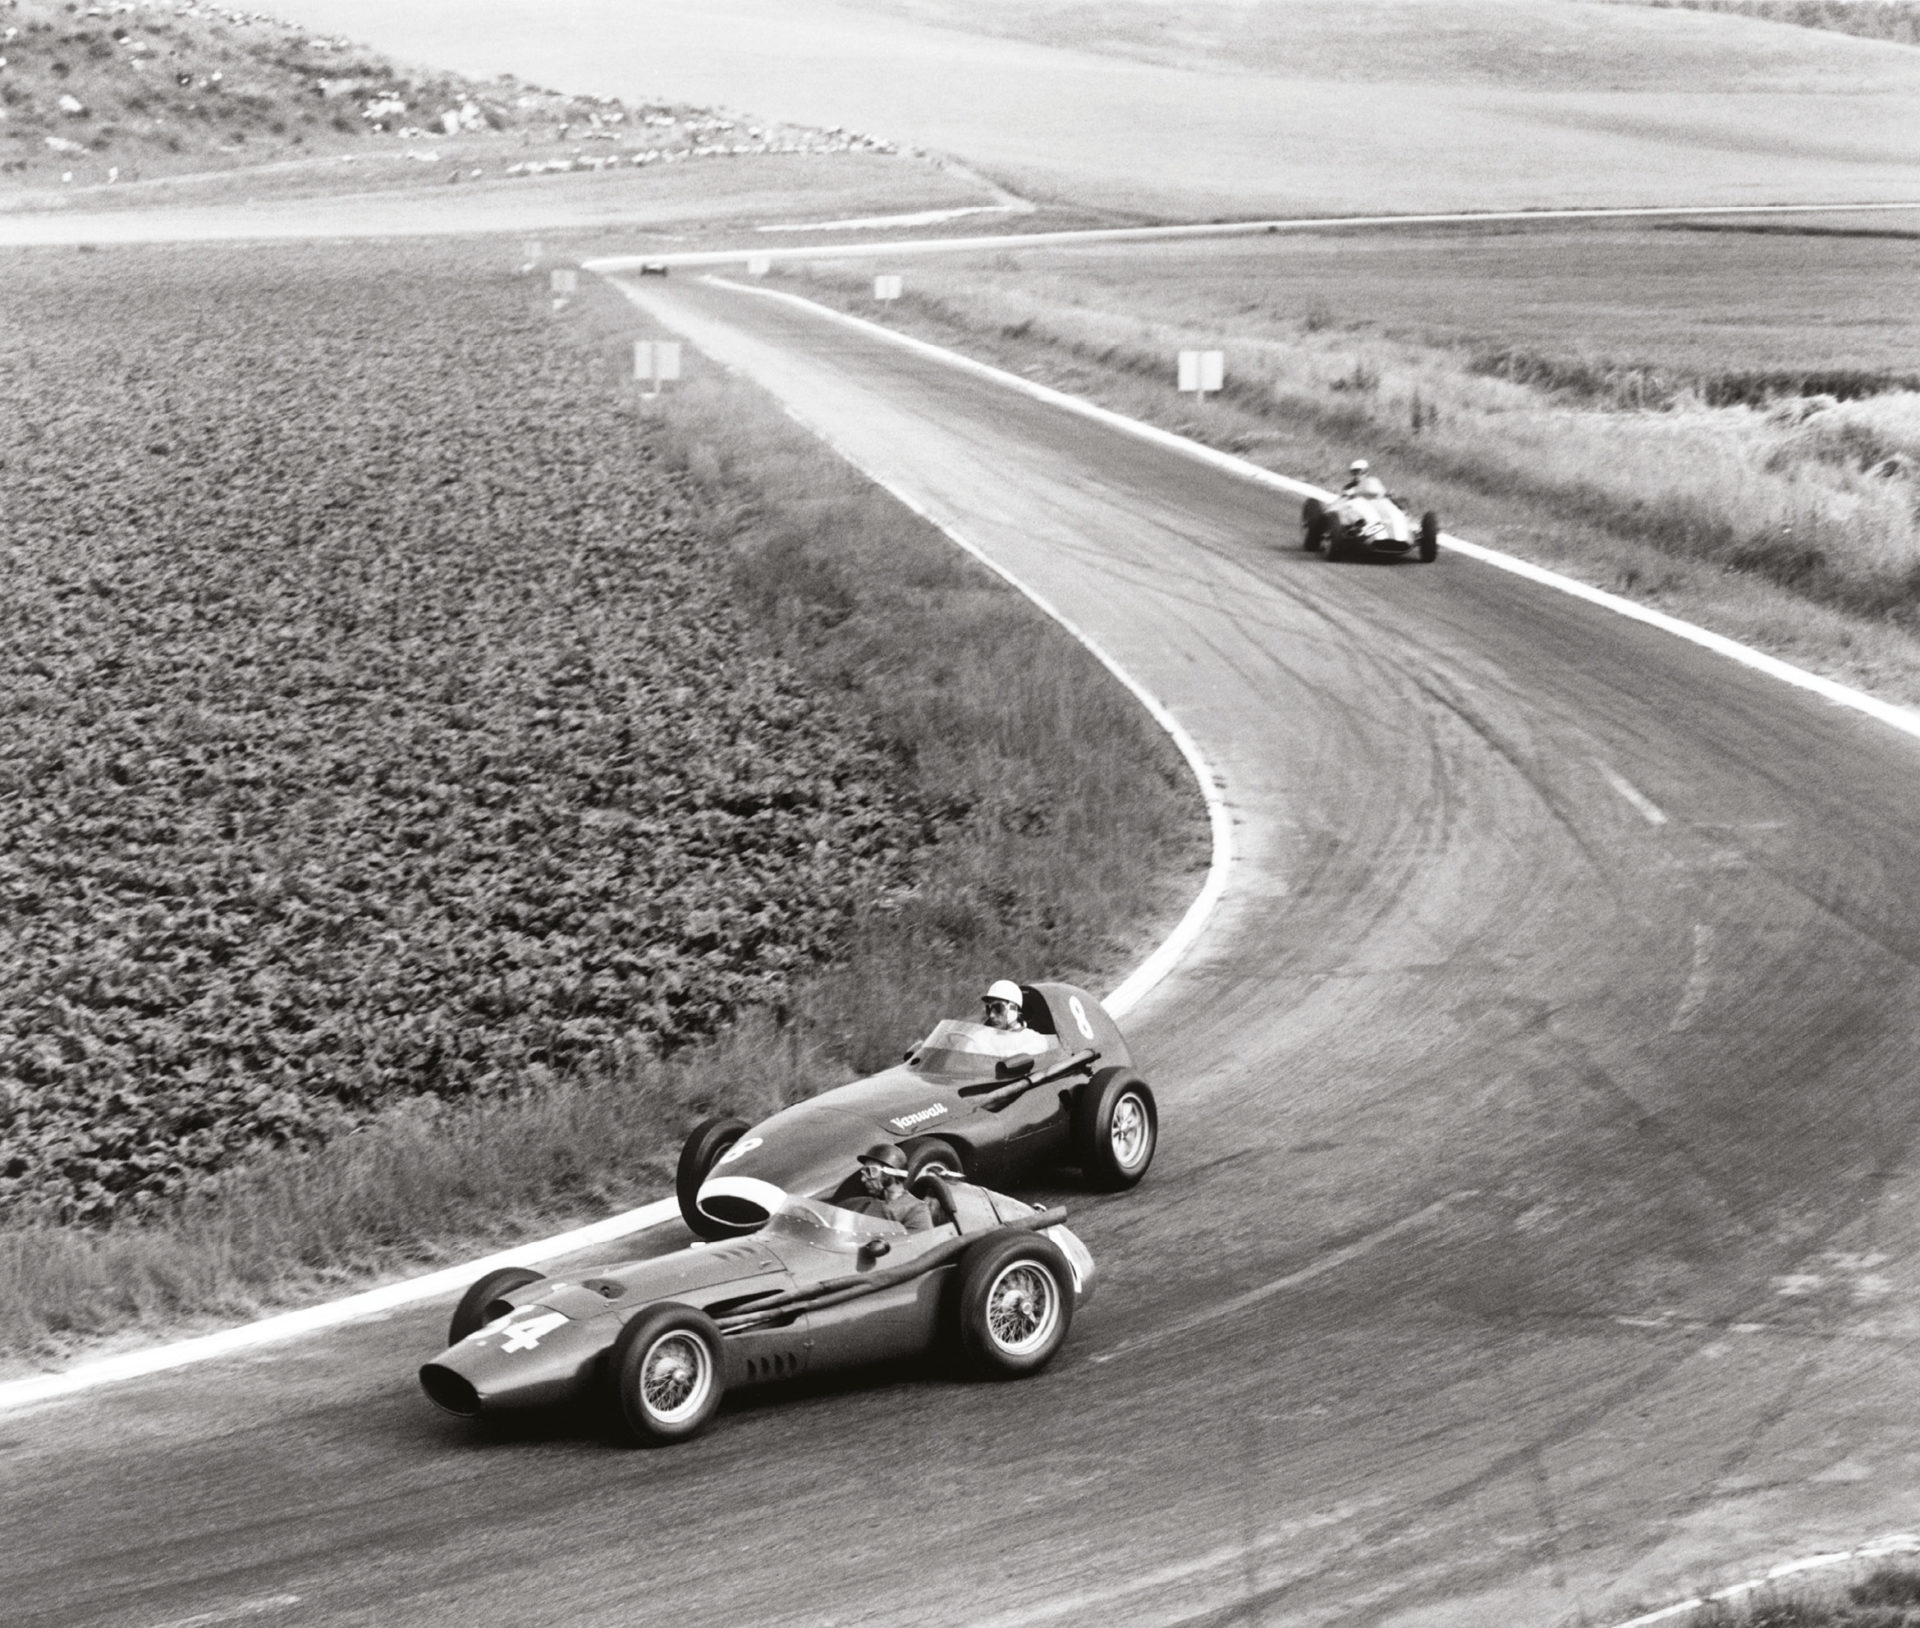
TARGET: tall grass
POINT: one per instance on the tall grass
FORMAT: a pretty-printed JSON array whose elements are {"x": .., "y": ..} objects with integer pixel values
[{"x": 1067, "y": 830}]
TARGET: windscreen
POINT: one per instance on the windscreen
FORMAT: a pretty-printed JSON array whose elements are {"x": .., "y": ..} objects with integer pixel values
[{"x": 969, "y": 1050}]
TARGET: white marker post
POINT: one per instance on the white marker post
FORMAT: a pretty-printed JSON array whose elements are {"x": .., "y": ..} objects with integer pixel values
[
  {"x": 564, "y": 281},
  {"x": 1203, "y": 370},
  {"x": 887, "y": 287},
  {"x": 758, "y": 265},
  {"x": 532, "y": 252},
  {"x": 657, "y": 362}
]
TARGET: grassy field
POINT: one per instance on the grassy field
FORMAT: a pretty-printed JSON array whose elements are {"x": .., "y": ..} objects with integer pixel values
[
  {"x": 435, "y": 779},
  {"x": 1588, "y": 398}
]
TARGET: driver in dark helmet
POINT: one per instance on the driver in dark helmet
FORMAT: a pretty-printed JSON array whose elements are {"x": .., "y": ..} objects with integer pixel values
[{"x": 883, "y": 1173}]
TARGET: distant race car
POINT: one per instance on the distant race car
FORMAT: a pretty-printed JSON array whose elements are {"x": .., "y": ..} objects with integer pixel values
[
  {"x": 968, "y": 1100},
  {"x": 818, "y": 1288},
  {"x": 653, "y": 268},
  {"x": 1369, "y": 522}
]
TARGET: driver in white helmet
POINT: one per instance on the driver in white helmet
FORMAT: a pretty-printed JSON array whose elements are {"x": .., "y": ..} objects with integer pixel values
[
  {"x": 1361, "y": 482},
  {"x": 1006, "y": 1019}
]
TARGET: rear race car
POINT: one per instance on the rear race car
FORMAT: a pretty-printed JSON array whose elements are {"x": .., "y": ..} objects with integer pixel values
[{"x": 968, "y": 1100}]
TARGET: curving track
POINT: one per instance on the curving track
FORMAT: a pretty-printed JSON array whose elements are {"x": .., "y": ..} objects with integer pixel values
[{"x": 1560, "y": 1015}]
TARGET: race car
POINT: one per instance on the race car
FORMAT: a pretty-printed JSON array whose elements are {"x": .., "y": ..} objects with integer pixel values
[
  {"x": 1368, "y": 521},
  {"x": 818, "y": 1288},
  {"x": 968, "y": 1100}
]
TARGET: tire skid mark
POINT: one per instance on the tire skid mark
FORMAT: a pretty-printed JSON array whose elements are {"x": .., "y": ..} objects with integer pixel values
[
  {"x": 233, "y": 1613},
  {"x": 1329, "y": 1262}
]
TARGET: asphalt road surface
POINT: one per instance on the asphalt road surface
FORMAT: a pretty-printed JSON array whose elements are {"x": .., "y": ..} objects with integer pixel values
[{"x": 1532, "y": 1233}]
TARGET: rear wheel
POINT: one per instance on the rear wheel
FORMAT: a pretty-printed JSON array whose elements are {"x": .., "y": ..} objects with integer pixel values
[
  {"x": 1313, "y": 524},
  {"x": 1016, "y": 1304},
  {"x": 669, "y": 1373},
  {"x": 486, "y": 1300},
  {"x": 698, "y": 1155},
  {"x": 1429, "y": 537},
  {"x": 926, "y": 1153},
  {"x": 1116, "y": 1127}
]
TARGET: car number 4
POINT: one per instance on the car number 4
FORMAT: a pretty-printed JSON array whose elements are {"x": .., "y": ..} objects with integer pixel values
[{"x": 525, "y": 1336}]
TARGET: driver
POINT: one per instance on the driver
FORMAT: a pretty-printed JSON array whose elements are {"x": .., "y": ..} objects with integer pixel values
[
  {"x": 1006, "y": 1017},
  {"x": 1360, "y": 483},
  {"x": 883, "y": 1172}
]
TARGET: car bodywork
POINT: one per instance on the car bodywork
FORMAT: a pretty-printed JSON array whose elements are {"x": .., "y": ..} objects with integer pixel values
[
  {"x": 1368, "y": 523},
  {"x": 963, "y": 1095},
  {"x": 818, "y": 1288}
]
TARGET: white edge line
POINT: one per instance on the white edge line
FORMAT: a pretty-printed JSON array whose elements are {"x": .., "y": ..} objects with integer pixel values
[
  {"x": 1899, "y": 1543},
  {"x": 1134, "y": 988},
  {"x": 290, "y": 1325},
  {"x": 1894, "y": 716}
]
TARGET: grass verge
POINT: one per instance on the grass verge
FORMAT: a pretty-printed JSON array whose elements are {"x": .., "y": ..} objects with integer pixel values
[
  {"x": 1887, "y": 1597},
  {"x": 1063, "y": 834}
]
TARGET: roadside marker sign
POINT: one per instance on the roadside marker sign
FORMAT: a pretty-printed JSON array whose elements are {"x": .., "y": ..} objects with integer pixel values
[
  {"x": 758, "y": 265},
  {"x": 656, "y": 362},
  {"x": 1203, "y": 370},
  {"x": 887, "y": 287}
]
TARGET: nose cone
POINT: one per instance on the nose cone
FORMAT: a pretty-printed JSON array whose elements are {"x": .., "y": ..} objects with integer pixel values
[{"x": 807, "y": 1150}]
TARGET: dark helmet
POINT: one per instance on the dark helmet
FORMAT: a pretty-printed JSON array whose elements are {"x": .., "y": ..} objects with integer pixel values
[{"x": 887, "y": 1156}]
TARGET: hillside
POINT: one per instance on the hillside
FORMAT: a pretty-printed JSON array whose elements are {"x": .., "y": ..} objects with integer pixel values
[
  {"x": 127, "y": 92},
  {"x": 1185, "y": 108}
]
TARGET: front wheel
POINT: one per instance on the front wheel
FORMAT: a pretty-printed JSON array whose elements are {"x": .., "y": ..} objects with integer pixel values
[
  {"x": 1429, "y": 537},
  {"x": 1016, "y": 1304},
  {"x": 1116, "y": 1127},
  {"x": 698, "y": 1155},
  {"x": 669, "y": 1373},
  {"x": 486, "y": 1300},
  {"x": 1313, "y": 524}
]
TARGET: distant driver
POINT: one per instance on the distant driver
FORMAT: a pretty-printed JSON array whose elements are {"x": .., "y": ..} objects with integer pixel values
[{"x": 1360, "y": 483}]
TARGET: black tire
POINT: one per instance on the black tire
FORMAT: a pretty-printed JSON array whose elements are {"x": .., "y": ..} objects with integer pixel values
[
  {"x": 698, "y": 1155},
  {"x": 926, "y": 1153},
  {"x": 476, "y": 1308},
  {"x": 1116, "y": 1127},
  {"x": 1429, "y": 537},
  {"x": 1313, "y": 524},
  {"x": 669, "y": 1372},
  {"x": 1015, "y": 1304}
]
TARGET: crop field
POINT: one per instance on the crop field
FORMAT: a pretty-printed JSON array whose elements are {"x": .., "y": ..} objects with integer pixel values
[
  {"x": 1725, "y": 423},
  {"x": 1696, "y": 303},
  {"x": 432, "y": 775}
]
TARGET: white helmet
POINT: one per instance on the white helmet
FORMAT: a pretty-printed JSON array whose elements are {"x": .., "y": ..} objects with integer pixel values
[
  {"x": 1357, "y": 467},
  {"x": 1004, "y": 989}
]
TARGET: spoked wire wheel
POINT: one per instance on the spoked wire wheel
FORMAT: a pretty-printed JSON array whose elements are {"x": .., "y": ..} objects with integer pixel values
[
  {"x": 1023, "y": 1308},
  {"x": 675, "y": 1375}
]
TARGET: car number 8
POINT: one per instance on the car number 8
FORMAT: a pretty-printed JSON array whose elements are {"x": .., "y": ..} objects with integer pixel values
[{"x": 1080, "y": 1015}]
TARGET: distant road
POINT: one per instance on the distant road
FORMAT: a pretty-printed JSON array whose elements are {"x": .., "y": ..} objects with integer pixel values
[{"x": 1532, "y": 1230}]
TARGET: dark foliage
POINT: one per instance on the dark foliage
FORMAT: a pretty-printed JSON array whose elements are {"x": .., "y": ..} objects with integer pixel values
[{"x": 377, "y": 725}]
